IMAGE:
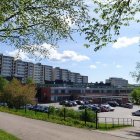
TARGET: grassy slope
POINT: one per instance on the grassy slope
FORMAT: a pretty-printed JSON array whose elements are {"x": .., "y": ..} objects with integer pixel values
[{"x": 6, "y": 136}]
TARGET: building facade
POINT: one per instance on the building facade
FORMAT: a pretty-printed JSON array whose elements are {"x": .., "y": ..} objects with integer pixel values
[
  {"x": 97, "y": 94},
  {"x": 117, "y": 82},
  {"x": 41, "y": 74}
]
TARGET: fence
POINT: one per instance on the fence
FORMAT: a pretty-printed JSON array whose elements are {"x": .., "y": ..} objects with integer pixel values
[
  {"x": 110, "y": 122},
  {"x": 85, "y": 117}
]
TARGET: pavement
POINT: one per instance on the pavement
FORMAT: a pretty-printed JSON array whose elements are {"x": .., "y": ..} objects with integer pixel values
[
  {"x": 29, "y": 129},
  {"x": 132, "y": 133}
]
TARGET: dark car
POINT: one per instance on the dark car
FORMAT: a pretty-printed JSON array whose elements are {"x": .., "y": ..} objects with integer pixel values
[
  {"x": 74, "y": 103},
  {"x": 127, "y": 105},
  {"x": 83, "y": 107},
  {"x": 113, "y": 103},
  {"x": 64, "y": 102},
  {"x": 69, "y": 104},
  {"x": 79, "y": 102}
]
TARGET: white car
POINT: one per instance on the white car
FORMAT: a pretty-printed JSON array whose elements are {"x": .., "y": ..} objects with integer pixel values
[
  {"x": 107, "y": 106},
  {"x": 136, "y": 113}
]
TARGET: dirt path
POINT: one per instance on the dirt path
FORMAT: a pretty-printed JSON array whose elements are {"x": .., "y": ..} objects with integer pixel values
[{"x": 29, "y": 129}]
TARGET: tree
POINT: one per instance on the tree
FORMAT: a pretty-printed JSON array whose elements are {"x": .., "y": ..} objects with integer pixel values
[
  {"x": 3, "y": 83},
  {"x": 29, "y": 23},
  {"x": 29, "y": 80},
  {"x": 16, "y": 94},
  {"x": 111, "y": 15},
  {"x": 136, "y": 73},
  {"x": 136, "y": 96}
]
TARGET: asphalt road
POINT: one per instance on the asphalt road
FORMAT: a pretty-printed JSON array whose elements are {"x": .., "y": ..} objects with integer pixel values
[{"x": 29, "y": 129}]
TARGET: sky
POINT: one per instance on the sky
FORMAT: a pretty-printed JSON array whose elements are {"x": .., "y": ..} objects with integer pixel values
[{"x": 114, "y": 60}]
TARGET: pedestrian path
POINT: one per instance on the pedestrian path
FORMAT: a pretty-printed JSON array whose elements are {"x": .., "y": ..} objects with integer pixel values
[{"x": 132, "y": 133}]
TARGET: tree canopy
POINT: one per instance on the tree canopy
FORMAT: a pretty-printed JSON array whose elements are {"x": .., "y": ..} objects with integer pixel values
[
  {"x": 29, "y": 23},
  {"x": 3, "y": 83},
  {"x": 16, "y": 94},
  {"x": 26, "y": 23},
  {"x": 136, "y": 96},
  {"x": 111, "y": 15}
]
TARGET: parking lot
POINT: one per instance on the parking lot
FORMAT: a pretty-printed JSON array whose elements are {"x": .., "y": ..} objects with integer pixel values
[{"x": 119, "y": 112}]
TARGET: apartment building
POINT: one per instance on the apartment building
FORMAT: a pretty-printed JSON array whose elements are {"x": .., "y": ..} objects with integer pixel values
[
  {"x": 65, "y": 75},
  {"x": 84, "y": 79},
  {"x": 6, "y": 65},
  {"x": 48, "y": 73},
  {"x": 41, "y": 74},
  {"x": 20, "y": 70},
  {"x": 38, "y": 75},
  {"x": 117, "y": 82},
  {"x": 57, "y": 74}
]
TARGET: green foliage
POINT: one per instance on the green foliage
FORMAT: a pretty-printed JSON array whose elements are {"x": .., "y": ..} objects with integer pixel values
[
  {"x": 3, "y": 83},
  {"x": 29, "y": 81},
  {"x": 16, "y": 95},
  {"x": 26, "y": 23},
  {"x": 89, "y": 116},
  {"x": 6, "y": 136},
  {"x": 136, "y": 73},
  {"x": 108, "y": 18},
  {"x": 136, "y": 96}
]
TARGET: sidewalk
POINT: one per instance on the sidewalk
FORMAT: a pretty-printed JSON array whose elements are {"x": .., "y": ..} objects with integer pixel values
[{"x": 132, "y": 133}]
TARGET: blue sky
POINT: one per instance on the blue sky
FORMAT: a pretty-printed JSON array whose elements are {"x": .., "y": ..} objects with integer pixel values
[{"x": 114, "y": 60}]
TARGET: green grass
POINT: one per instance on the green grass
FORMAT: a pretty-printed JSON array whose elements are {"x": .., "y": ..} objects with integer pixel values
[
  {"x": 59, "y": 119},
  {"x": 6, "y": 136}
]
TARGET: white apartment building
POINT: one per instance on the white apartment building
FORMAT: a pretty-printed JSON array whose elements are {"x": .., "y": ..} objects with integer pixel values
[
  {"x": 48, "y": 73},
  {"x": 30, "y": 70},
  {"x": 20, "y": 70},
  {"x": 117, "y": 82},
  {"x": 57, "y": 74},
  {"x": 65, "y": 75},
  {"x": 38, "y": 75},
  {"x": 84, "y": 79},
  {"x": 78, "y": 78},
  {"x": 6, "y": 65},
  {"x": 72, "y": 77}
]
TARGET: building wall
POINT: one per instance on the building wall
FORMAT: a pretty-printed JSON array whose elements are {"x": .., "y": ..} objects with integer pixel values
[
  {"x": 118, "y": 82},
  {"x": 38, "y": 72},
  {"x": 60, "y": 93}
]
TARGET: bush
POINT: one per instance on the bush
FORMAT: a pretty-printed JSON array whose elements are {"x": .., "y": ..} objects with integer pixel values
[{"x": 89, "y": 116}]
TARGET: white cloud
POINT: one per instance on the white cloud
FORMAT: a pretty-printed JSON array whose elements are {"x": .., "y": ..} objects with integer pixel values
[
  {"x": 125, "y": 42},
  {"x": 93, "y": 66},
  {"x": 118, "y": 66},
  {"x": 98, "y": 62},
  {"x": 54, "y": 55},
  {"x": 104, "y": 65}
]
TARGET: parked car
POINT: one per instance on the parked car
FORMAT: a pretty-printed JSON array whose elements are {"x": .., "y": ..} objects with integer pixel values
[
  {"x": 96, "y": 109},
  {"x": 104, "y": 109},
  {"x": 64, "y": 102},
  {"x": 83, "y": 107},
  {"x": 127, "y": 105},
  {"x": 69, "y": 104},
  {"x": 108, "y": 107},
  {"x": 136, "y": 113},
  {"x": 79, "y": 102},
  {"x": 113, "y": 103},
  {"x": 74, "y": 103}
]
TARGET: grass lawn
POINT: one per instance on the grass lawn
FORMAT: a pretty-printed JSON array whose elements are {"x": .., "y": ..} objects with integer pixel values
[{"x": 6, "y": 136}]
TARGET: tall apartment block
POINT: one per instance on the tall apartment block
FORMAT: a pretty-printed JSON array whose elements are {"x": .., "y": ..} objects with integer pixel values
[
  {"x": 117, "y": 82},
  {"x": 6, "y": 66},
  {"x": 41, "y": 74},
  {"x": 38, "y": 75}
]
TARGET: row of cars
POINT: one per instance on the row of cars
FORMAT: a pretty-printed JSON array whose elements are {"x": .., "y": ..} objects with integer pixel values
[
  {"x": 97, "y": 108},
  {"x": 39, "y": 108}
]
